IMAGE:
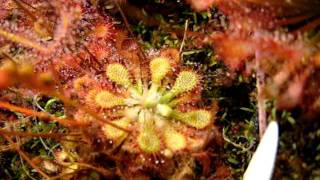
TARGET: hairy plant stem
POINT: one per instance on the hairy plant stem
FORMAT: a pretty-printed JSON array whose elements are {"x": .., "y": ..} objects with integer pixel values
[{"x": 262, "y": 119}]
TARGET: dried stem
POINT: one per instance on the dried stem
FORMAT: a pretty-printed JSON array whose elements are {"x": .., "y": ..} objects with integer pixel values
[
  {"x": 184, "y": 36},
  {"x": 262, "y": 116},
  {"x": 41, "y": 115}
]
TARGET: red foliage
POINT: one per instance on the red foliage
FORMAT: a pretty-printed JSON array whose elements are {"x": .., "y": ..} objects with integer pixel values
[
  {"x": 233, "y": 49},
  {"x": 254, "y": 39}
]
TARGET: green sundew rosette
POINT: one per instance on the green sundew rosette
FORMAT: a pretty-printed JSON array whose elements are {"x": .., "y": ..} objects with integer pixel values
[
  {"x": 159, "y": 68},
  {"x": 119, "y": 74},
  {"x": 174, "y": 140},
  {"x": 116, "y": 133},
  {"x": 164, "y": 110},
  {"x": 148, "y": 140},
  {"x": 198, "y": 119},
  {"x": 186, "y": 81},
  {"x": 106, "y": 99}
]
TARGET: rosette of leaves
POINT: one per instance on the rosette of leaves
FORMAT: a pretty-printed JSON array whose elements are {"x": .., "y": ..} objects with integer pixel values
[{"x": 156, "y": 110}]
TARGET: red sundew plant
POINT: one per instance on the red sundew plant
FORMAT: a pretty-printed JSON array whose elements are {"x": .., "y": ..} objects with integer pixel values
[
  {"x": 271, "y": 39},
  {"x": 134, "y": 108}
]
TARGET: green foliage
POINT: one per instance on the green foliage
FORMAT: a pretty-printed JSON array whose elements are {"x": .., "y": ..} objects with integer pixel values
[
  {"x": 237, "y": 114},
  {"x": 299, "y": 149},
  {"x": 170, "y": 27},
  {"x": 12, "y": 165}
]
